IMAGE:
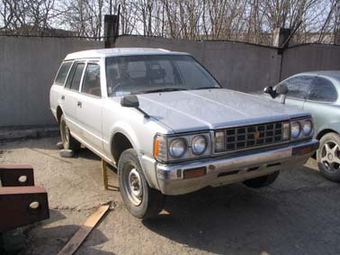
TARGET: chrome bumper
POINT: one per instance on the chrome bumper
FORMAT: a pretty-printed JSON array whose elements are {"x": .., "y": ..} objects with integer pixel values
[{"x": 173, "y": 180}]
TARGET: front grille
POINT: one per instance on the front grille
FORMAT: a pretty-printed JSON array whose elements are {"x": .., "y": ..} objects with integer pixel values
[{"x": 240, "y": 138}]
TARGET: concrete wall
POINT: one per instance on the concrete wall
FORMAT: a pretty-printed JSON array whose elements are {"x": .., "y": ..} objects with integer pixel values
[
  {"x": 310, "y": 57},
  {"x": 238, "y": 66},
  {"x": 27, "y": 69}
]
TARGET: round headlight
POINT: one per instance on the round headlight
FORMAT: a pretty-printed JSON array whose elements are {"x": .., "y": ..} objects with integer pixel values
[
  {"x": 296, "y": 129},
  {"x": 199, "y": 144},
  {"x": 177, "y": 148},
  {"x": 307, "y": 127}
]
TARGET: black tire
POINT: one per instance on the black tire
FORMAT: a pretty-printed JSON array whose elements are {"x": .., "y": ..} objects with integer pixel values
[
  {"x": 262, "y": 181},
  {"x": 69, "y": 143},
  {"x": 328, "y": 156},
  {"x": 140, "y": 200}
]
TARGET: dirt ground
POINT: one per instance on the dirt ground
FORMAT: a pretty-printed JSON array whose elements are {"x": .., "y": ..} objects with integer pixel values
[{"x": 298, "y": 214}]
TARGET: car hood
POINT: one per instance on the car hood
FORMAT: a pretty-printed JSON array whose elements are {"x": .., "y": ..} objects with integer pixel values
[{"x": 212, "y": 109}]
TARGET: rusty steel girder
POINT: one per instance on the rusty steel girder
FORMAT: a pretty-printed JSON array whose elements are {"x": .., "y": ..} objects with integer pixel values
[
  {"x": 16, "y": 175},
  {"x": 21, "y": 203}
]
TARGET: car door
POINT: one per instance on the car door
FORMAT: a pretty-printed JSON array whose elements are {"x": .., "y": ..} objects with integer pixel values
[
  {"x": 298, "y": 87},
  {"x": 89, "y": 107},
  {"x": 70, "y": 95},
  {"x": 320, "y": 101}
]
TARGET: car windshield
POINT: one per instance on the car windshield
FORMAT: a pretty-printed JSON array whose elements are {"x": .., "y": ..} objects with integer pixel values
[{"x": 155, "y": 73}]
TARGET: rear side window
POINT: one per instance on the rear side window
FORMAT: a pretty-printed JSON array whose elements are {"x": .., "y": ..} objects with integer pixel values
[
  {"x": 323, "y": 90},
  {"x": 73, "y": 80},
  {"x": 62, "y": 73}
]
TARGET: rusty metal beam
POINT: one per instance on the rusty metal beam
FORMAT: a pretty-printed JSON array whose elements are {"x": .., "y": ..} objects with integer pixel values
[
  {"x": 21, "y": 206},
  {"x": 16, "y": 175}
]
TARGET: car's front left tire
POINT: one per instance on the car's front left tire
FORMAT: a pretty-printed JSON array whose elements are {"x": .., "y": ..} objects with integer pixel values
[
  {"x": 328, "y": 156},
  {"x": 140, "y": 200},
  {"x": 69, "y": 143}
]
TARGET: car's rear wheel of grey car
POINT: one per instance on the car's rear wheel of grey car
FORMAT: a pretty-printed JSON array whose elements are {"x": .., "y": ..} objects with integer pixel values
[
  {"x": 328, "y": 156},
  {"x": 69, "y": 143},
  {"x": 141, "y": 201},
  {"x": 262, "y": 181}
]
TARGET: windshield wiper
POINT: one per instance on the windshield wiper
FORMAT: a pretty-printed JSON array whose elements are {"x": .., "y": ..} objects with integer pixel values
[
  {"x": 162, "y": 90},
  {"x": 206, "y": 88}
]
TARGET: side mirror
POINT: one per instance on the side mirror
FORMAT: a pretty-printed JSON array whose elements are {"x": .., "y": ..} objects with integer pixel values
[
  {"x": 269, "y": 90},
  {"x": 130, "y": 101},
  {"x": 280, "y": 89}
]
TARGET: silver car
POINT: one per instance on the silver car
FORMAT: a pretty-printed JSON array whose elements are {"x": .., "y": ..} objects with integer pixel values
[
  {"x": 169, "y": 128},
  {"x": 318, "y": 93}
]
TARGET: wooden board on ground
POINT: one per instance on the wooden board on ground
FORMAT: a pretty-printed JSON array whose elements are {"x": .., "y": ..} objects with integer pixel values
[{"x": 84, "y": 231}]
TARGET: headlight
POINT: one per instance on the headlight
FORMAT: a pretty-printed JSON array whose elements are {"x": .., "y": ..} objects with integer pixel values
[
  {"x": 199, "y": 144},
  {"x": 307, "y": 127},
  {"x": 295, "y": 129},
  {"x": 177, "y": 148}
]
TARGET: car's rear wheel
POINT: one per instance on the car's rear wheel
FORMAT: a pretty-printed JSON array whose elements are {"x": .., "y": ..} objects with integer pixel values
[
  {"x": 69, "y": 143},
  {"x": 141, "y": 201},
  {"x": 262, "y": 181},
  {"x": 328, "y": 156}
]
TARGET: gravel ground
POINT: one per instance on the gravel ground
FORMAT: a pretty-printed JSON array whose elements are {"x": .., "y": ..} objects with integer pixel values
[{"x": 298, "y": 214}]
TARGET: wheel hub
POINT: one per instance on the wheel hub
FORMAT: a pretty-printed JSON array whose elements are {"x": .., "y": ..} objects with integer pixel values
[
  {"x": 330, "y": 157},
  {"x": 135, "y": 186}
]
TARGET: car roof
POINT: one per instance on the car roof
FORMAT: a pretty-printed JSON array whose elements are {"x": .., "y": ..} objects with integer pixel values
[
  {"x": 112, "y": 52},
  {"x": 329, "y": 73}
]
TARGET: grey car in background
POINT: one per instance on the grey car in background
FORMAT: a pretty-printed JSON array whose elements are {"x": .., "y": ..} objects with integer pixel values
[{"x": 318, "y": 93}]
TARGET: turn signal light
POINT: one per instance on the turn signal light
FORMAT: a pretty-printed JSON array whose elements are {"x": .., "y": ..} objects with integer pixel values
[{"x": 194, "y": 172}]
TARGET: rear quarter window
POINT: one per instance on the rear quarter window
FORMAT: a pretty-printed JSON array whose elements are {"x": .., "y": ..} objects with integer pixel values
[{"x": 62, "y": 73}]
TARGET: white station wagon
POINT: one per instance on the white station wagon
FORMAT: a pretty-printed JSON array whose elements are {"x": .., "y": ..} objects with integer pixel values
[{"x": 169, "y": 128}]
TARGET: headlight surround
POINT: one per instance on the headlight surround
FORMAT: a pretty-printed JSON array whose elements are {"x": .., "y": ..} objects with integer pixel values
[
  {"x": 295, "y": 129},
  {"x": 177, "y": 147},
  {"x": 199, "y": 144},
  {"x": 302, "y": 128}
]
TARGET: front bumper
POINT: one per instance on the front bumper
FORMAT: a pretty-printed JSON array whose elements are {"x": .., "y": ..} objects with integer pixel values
[{"x": 174, "y": 180}]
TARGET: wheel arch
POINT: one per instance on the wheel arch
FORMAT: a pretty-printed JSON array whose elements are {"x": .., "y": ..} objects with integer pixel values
[
  {"x": 323, "y": 132},
  {"x": 119, "y": 143}
]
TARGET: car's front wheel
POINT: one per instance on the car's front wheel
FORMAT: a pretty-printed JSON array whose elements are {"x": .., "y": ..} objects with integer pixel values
[
  {"x": 262, "y": 181},
  {"x": 328, "y": 156},
  {"x": 141, "y": 201},
  {"x": 69, "y": 143}
]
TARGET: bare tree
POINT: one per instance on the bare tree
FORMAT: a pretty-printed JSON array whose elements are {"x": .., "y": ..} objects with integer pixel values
[
  {"x": 31, "y": 17},
  {"x": 243, "y": 20},
  {"x": 84, "y": 17}
]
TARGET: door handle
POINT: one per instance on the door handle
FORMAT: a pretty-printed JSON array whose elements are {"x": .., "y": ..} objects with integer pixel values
[
  {"x": 62, "y": 97},
  {"x": 79, "y": 104}
]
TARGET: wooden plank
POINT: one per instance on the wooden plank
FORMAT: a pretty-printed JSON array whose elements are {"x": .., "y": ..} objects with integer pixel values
[
  {"x": 104, "y": 173},
  {"x": 84, "y": 231}
]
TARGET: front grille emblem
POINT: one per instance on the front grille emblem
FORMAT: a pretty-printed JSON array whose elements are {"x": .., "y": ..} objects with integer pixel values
[{"x": 256, "y": 134}]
